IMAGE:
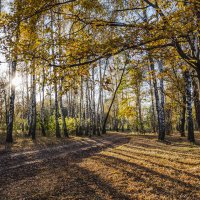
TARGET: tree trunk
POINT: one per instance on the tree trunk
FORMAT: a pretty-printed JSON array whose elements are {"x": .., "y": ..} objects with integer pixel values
[
  {"x": 196, "y": 103},
  {"x": 9, "y": 137},
  {"x": 42, "y": 107},
  {"x": 94, "y": 125},
  {"x": 114, "y": 95},
  {"x": 153, "y": 116},
  {"x": 139, "y": 108},
  {"x": 58, "y": 135},
  {"x": 188, "y": 88},
  {"x": 32, "y": 128},
  {"x": 64, "y": 125},
  {"x": 27, "y": 100},
  {"x": 158, "y": 109},
  {"x": 23, "y": 104},
  {"x": 162, "y": 103}
]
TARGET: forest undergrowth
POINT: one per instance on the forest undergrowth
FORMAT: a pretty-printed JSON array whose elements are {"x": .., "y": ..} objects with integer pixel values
[{"x": 114, "y": 166}]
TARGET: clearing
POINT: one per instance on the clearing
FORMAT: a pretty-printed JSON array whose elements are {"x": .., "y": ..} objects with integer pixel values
[{"x": 114, "y": 166}]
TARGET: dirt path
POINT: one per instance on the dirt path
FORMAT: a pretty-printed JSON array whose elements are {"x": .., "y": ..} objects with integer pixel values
[
  {"x": 19, "y": 159},
  {"x": 114, "y": 166},
  {"x": 20, "y": 166}
]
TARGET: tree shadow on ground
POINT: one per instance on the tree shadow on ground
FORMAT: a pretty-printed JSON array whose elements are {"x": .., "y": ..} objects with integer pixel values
[
  {"x": 29, "y": 179},
  {"x": 87, "y": 174},
  {"x": 163, "y": 185},
  {"x": 81, "y": 183},
  {"x": 162, "y": 155},
  {"x": 138, "y": 156}
]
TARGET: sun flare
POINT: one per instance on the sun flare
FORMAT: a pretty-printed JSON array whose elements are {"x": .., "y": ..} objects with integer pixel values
[{"x": 16, "y": 81}]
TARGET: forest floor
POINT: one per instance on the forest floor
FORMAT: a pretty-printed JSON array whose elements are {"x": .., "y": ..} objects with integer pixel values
[{"x": 114, "y": 166}]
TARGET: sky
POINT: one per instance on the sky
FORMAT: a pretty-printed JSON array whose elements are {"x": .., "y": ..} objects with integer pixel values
[
  {"x": 3, "y": 66},
  {"x": 4, "y": 7}
]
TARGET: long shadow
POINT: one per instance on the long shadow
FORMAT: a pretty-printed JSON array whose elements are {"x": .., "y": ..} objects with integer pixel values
[
  {"x": 136, "y": 177},
  {"x": 163, "y": 146},
  {"x": 9, "y": 160},
  {"x": 83, "y": 184},
  {"x": 156, "y": 148},
  {"x": 177, "y": 139},
  {"x": 114, "y": 162},
  {"x": 47, "y": 160},
  {"x": 150, "y": 171},
  {"x": 77, "y": 183},
  {"x": 157, "y": 156},
  {"x": 10, "y": 157},
  {"x": 118, "y": 152}
]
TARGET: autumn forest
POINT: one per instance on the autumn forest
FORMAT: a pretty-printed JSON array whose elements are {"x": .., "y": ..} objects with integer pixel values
[{"x": 100, "y": 99}]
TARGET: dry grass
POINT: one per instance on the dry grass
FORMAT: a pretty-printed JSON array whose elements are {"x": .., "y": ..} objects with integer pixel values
[
  {"x": 124, "y": 167},
  {"x": 22, "y": 143},
  {"x": 147, "y": 169}
]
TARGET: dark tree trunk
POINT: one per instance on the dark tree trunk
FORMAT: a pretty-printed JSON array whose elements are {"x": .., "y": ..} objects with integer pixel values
[
  {"x": 42, "y": 107},
  {"x": 188, "y": 88},
  {"x": 196, "y": 103},
  {"x": 6, "y": 107},
  {"x": 162, "y": 103},
  {"x": 158, "y": 106},
  {"x": 32, "y": 128}
]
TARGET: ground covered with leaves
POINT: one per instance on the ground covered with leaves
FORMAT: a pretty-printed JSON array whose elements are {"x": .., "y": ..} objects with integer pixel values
[{"x": 114, "y": 166}]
